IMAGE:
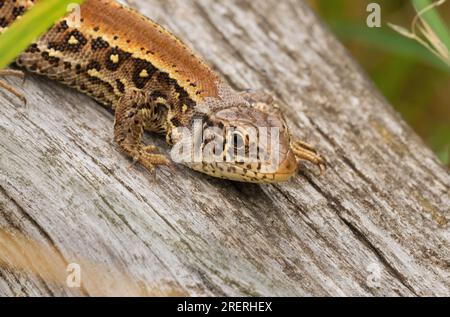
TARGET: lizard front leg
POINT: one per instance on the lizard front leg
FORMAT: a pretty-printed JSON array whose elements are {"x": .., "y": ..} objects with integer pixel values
[
  {"x": 132, "y": 111},
  {"x": 3, "y": 85}
]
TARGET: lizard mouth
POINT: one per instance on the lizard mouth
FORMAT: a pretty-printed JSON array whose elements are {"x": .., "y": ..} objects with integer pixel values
[{"x": 243, "y": 173}]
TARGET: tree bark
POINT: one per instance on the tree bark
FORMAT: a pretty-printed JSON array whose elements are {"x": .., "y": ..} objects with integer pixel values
[{"x": 376, "y": 223}]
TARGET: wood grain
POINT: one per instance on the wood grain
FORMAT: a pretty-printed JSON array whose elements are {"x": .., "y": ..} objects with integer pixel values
[{"x": 376, "y": 223}]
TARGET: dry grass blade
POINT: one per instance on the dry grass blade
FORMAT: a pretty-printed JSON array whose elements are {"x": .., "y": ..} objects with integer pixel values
[{"x": 423, "y": 33}]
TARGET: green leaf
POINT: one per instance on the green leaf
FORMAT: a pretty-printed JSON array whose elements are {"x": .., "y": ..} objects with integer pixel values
[
  {"x": 27, "y": 29},
  {"x": 434, "y": 20},
  {"x": 444, "y": 155}
]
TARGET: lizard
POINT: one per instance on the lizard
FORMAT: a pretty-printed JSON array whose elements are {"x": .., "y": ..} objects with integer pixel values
[{"x": 153, "y": 82}]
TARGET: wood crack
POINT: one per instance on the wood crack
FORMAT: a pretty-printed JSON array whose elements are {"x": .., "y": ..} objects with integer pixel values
[{"x": 339, "y": 208}]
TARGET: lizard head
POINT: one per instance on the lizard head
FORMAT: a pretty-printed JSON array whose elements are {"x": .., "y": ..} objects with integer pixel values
[
  {"x": 255, "y": 146},
  {"x": 242, "y": 142}
]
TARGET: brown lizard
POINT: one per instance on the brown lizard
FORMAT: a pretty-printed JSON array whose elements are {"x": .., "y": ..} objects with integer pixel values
[{"x": 154, "y": 82}]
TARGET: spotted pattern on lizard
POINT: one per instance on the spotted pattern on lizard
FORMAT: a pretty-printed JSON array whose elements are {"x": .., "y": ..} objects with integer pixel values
[{"x": 154, "y": 82}]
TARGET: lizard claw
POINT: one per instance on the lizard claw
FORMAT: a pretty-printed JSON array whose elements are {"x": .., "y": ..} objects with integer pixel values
[
  {"x": 148, "y": 159},
  {"x": 14, "y": 92},
  {"x": 150, "y": 149},
  {"x": 307, "y": 152}
]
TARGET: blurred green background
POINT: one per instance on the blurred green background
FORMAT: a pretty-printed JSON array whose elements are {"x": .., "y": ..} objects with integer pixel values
[{"x": 415, "y": 82}]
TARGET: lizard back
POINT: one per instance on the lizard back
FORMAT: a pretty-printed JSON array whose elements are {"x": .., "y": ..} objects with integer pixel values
[{"x": 113, "y": 49}]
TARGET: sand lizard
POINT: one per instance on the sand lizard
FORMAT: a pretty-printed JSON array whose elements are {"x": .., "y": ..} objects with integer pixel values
[{"x": 154, "y": 82}]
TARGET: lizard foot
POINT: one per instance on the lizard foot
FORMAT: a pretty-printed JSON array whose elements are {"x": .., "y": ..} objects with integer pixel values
[
  {"x": 149, "y": 160},
  {"x": 131, "y": 115},
  {"x": 305, "y": 151},
  {"x": 150, "y": 149},
  {"x": 3, "y": 85}
]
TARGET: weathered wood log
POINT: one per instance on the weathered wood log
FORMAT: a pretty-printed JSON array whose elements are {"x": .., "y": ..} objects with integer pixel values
[{"x": 376, "y": 223}]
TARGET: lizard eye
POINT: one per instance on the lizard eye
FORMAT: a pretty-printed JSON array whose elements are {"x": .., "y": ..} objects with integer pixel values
[{"x": 238, "y": 140}]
